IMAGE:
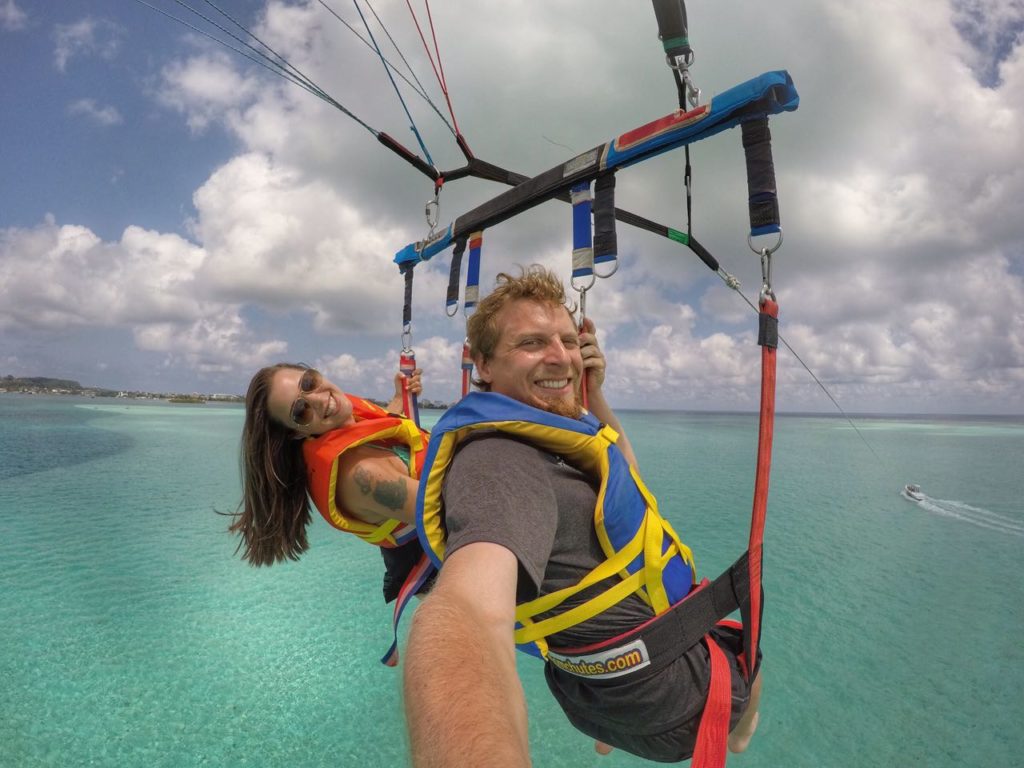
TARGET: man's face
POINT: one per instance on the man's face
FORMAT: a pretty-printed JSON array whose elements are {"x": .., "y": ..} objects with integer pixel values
[{"x": 537, "y": 359}]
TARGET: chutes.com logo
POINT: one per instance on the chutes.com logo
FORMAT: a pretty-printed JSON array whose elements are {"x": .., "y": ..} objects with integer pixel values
[{"x": 614, "y": 662}]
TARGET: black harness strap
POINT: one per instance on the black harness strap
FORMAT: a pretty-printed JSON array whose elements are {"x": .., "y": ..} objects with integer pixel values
[
  {"x": 452, "y": 298},
  {"x": 605, "y": 242},
  {"x": 763, "y": 197}
]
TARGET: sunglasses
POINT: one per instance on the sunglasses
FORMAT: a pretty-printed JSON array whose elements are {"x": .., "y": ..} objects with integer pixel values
[{"x": 301, "y": 412}]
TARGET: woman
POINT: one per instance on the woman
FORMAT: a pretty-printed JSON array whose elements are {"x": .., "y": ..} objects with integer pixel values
[{"x": 295, "y": 445}]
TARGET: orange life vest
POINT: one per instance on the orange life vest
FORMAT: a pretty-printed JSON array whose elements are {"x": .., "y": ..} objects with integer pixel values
[{"x": 322, "y": 454}]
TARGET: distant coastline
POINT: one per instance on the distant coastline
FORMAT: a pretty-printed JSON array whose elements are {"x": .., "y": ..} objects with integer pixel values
[{"x": 44, "y": 385}]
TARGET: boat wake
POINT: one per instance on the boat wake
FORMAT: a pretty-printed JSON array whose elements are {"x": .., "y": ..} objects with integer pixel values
[{"x": 958, "y": 510}]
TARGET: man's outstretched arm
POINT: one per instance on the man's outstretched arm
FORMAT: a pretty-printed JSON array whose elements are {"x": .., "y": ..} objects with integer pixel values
[{"x": 464, "y": 703}]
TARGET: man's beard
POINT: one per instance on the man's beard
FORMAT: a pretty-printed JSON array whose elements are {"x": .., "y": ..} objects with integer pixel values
[{"x": 571, "y": 410}]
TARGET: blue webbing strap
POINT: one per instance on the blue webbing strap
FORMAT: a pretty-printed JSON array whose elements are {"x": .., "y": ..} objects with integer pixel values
[
  {"x": 476, "y": 241},
  {"x": 582, "y": 237},
  {"x": 417, "y": 577}
]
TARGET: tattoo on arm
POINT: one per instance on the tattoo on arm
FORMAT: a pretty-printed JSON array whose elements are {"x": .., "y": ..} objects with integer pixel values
[
  {"x": 391, "y": 495},
  {"x": 363, "y": 479}
]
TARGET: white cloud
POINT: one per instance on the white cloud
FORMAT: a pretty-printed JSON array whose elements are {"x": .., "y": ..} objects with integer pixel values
[
  {"x": 56, "y": 278},
  {"x": 285, "y": 240},
  {"x": 899, "y": 181},
  {"x": 12, "y": 17},
  {"x": 99, "y": 114},
  {"x": 218, "y": 342},
  {"x": 86, "y": 37},
  {"x": 205, "y": 88}
]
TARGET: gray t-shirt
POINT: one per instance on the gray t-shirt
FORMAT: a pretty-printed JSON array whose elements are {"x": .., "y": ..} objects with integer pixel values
[
  {"x": 502, "y": 491},
  {"x": 508, "y": 492}
]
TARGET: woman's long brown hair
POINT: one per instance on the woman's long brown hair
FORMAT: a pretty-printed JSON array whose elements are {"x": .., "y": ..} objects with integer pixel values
[{"x": 274, "y": 511}]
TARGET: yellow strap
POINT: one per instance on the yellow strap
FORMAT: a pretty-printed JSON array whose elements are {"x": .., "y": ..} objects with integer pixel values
[
  {"x": 606, "y": 570},
  {"x": 541, "y": 643},
  {"x": 381, "y": 532},
  {"x": 580, "y": 613}
]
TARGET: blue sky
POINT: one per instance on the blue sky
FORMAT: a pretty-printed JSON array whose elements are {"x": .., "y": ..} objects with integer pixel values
[{"x": 173, "y": 217}]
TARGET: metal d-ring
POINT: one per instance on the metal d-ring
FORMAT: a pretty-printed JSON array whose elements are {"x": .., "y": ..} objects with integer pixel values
[
  {"x": 583, "y": 288},
  {"x": 773, "y": 249}
]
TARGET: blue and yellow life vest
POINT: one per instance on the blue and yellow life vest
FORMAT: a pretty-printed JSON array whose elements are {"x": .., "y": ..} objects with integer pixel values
[{"x": 639, "y": 545}]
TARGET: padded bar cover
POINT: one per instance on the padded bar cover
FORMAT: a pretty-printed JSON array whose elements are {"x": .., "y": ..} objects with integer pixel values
[
  {"x": 767, "y": 94},
  {"x": 762, "y": 197}
]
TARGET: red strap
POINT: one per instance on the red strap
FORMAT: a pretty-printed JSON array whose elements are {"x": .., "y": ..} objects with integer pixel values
[
  {"x": 467, "y": 368},
  {"x": 713, "y": 733},
  {"x": 584, "y": 397},
  {"x": 410, "y": 406},
  {"x": 764, "y": 465}
]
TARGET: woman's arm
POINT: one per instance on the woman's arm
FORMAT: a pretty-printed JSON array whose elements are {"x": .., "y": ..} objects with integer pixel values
[
  {"x": 594, "y": 364},
  {"x": 374, "y": 485}
]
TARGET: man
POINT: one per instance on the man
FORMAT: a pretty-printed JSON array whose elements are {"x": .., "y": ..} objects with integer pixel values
[{"x": 515, "y": 522}]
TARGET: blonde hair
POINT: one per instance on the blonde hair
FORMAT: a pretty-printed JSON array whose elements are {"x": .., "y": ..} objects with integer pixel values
[{"x": 534, "y": 283}]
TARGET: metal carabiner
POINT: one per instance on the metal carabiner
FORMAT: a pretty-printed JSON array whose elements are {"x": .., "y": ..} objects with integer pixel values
[
  {"x": 432, "y": 211},
  {"x": 406, "y": 338},
  {"x": 583, "y": 306},
  {"x": 681, "y": 64},
  {"x": 692, "y": 93},
  {"x": 766, "y": 274}
]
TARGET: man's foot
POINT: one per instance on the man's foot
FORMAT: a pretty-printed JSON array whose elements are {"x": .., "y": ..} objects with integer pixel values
[
  {"x": 601, "y": 748},
  {"x": 739, "y": 739}
]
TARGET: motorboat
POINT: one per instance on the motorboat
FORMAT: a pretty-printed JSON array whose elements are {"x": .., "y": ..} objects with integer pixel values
[{"x": 912, "y": 491}]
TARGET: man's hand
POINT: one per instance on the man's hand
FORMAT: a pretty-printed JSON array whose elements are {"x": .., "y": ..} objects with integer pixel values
[{"x": 593, "y": 358}]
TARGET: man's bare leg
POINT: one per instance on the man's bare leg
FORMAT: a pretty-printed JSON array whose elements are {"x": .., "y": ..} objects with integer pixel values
[{"x": 739, "y": 739}]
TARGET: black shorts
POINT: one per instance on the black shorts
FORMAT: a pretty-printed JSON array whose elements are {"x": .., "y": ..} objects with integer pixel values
[{"x": 654, "y": 716}]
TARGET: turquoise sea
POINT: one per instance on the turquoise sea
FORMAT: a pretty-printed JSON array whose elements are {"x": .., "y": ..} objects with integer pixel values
[{"x": 132, "y": 635}]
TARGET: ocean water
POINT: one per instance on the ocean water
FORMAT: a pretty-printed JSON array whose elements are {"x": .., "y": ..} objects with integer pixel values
[{"x": 131, "y": 634}]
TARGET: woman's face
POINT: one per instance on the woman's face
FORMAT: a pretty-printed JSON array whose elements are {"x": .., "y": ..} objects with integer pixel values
[{"x": 319, "y": 405}]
